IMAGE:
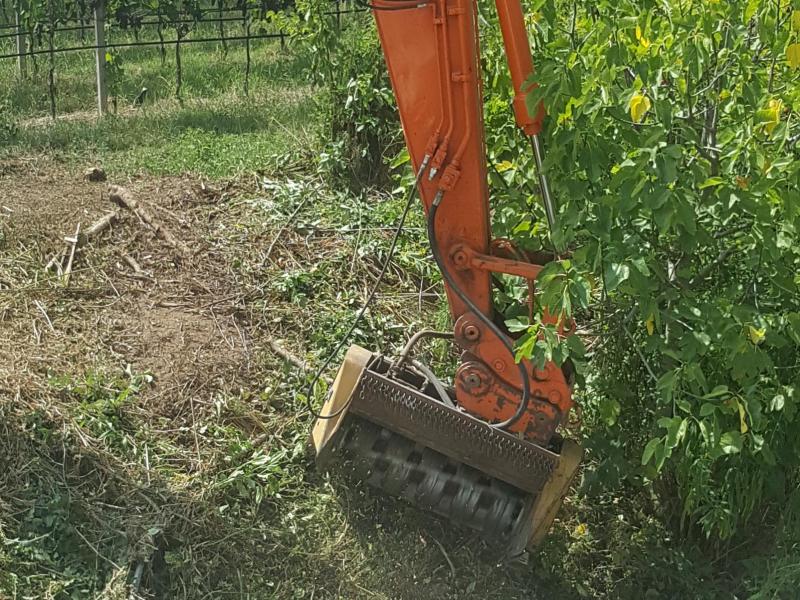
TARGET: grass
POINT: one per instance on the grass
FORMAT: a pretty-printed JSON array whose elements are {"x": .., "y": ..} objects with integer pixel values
[
  {"x": 215, "y": 129},
  {"x": 209, "y": 485}
]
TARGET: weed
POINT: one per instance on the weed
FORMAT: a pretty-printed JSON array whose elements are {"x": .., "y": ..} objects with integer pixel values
[{"x": 98, "y": 404}]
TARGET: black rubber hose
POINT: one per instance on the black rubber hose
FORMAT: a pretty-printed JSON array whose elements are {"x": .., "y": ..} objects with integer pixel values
[
  {"x": 437, "y": 256},
  {"x": 412, "y": 194}
]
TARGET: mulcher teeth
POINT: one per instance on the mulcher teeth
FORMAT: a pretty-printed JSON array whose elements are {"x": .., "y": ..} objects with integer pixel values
[
  {"x": 397, "y": 436},
  {"x": 432, "y": 481}
]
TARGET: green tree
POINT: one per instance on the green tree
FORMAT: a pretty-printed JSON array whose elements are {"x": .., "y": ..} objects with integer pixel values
[{"x": 672, "y": 144}]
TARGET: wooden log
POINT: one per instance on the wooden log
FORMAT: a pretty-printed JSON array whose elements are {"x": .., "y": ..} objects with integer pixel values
[
  {"x": 95, "y": 229},
  {"x": 83, "y": 238},
  {"x": 123, "y": 198}
]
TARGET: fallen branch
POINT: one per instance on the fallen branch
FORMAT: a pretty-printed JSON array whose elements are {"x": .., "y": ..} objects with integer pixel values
[
  {"x": 83, "y": 238},
  {"x": 293, "y": 360},
  {"x": 290, "y": 358},
  {"x": 73, "y": 242},
  {"x": 133, "y": 264},
  {"x": 138, "y": 272},
  {"x": 98, "y": 227},
  {"x": 123, "y": 198}
]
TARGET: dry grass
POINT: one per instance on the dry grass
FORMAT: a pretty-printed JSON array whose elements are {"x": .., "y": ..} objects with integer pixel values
[{"x": 148, "y": 423}]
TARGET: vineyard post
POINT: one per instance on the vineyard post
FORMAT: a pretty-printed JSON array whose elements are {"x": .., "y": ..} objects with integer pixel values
[
  {"x": 21, "y": 45},
  {"x": 221, "y": 24},
  {"x": 100, "y": 55},
  {"x": 51, "y": 71},
  {"x": 247, "y": 52}
]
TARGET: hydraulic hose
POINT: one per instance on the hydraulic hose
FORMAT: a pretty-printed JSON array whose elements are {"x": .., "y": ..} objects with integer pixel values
[
  {"x": 309, "y": 399},
  {"x": 448, "y": 277}
]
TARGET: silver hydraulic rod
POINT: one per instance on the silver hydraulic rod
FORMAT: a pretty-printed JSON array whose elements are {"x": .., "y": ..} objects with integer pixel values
[{"x": 550, "y": 207}]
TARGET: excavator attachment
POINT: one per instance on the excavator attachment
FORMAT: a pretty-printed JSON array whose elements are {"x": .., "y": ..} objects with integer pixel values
[
  {"x": 397, "y": 434},
  {"x": 487, "y": 453}
]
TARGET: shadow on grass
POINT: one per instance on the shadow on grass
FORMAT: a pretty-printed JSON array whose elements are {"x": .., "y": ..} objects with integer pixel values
[{"x": 215, "y": 138}]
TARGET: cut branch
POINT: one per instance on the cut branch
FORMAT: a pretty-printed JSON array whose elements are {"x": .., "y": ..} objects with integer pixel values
[{"x": 123, "y": 198}]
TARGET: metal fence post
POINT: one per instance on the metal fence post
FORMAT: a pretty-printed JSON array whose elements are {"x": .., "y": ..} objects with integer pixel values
[
  {"x": 21, "y": 43},
  {"x": 100, "y": 55}
]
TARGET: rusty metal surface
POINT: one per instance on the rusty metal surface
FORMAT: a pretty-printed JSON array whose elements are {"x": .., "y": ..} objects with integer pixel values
[
  {"x": 398, "y": 406},
  {"x": 480, "y": 393}
]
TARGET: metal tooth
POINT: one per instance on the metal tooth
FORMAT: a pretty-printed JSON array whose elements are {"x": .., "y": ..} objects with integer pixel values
[{"x": 393, "y": 463}]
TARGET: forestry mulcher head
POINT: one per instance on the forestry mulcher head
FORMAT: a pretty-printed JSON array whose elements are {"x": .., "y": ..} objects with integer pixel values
[{"x": 395, "y": 431}]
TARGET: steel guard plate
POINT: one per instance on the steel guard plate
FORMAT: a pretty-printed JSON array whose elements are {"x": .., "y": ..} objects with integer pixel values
[{"x": 401, "y": 408}]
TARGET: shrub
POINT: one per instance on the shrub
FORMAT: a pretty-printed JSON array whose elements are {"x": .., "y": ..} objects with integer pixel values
[
  {"x": 672, "y": 146},
  {"x": 361, "y": 131}
]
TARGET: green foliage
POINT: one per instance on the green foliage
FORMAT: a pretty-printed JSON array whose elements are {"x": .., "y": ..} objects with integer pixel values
[
  {"x": 100, "y": 405},
  {"x": 361, "y": 125},
  {"x": 672, "y": 147},
  {"x": 9, "y": 128},
  {"x": 264, "y": 474}
]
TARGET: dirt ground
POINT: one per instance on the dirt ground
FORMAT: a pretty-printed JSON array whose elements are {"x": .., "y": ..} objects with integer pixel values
[
  {"x": 198, "y": 479},
  {"x": 131, "y": 299}
]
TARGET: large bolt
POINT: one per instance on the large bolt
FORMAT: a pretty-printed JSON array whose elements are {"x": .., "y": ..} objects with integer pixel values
[
  {"x": 472, "y": 380},
  {"x": 460, "y": 259},
  {"x": 472, "y": 333}
]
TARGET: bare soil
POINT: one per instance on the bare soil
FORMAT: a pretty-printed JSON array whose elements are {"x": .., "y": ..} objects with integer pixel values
[{"x": 179, "y": 319}]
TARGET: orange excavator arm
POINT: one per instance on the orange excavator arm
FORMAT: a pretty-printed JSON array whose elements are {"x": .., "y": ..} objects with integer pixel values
[
  {"x": 432, "y": 53},
  {"x": 484, "y": 453}
]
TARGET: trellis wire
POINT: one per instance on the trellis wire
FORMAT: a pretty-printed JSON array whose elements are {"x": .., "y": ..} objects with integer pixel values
[{"x": 101, "y": 46}]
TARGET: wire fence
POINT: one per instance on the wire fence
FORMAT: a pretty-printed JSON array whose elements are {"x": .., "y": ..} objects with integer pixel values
[{"x": 47, "y": 38}]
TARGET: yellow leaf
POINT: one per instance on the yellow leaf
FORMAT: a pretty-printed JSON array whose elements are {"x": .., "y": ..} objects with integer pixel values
[
  {"x": 742, "y": 182},
  {"x": 796, "y": 20},
  {"x": 650, "y": 324},
  {"x": 641, "y": 39},
  {"x": 742, "y": 418},
  {"x": 639, "y": 106},
  {"x": 580, "y": 530},
  {"x": 771, "y": 116},
  {"x": 504, "y": 166},
  {"x": 793, "y": 55},
  {"x": 756, "y": 335}
]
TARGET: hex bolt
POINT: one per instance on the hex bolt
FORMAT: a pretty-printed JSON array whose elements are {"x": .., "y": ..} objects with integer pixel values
[{"x": 472, "y": 333}]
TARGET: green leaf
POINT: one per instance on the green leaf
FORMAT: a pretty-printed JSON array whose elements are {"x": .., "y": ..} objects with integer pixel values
[
  {"x": 402, "y": 158},
  {"x": 610, "y": 410},
  {"x": 517, "y": 325},
  {"x": 711, "y": 182},
  {"x": 615, "y": 274},
  {"x": 666, "y": 384},
  {"x": 750, "y": 10},
  {"x": 707, "y": 409},
  {"x": 649, "y": 450},
  {"x": 720, "y": 390},
  {"x": 731, "y": 442}
]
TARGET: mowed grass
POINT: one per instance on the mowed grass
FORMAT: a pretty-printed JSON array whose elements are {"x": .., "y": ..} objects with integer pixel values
[
  {"x": 215, "y": 129},
  {"x": 227, "y": 502}
]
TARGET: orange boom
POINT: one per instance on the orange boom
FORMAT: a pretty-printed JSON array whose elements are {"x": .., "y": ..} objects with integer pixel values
[{"x": 486, "y": 452}]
